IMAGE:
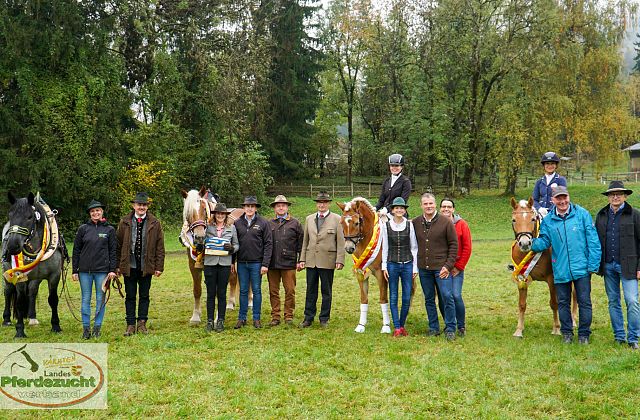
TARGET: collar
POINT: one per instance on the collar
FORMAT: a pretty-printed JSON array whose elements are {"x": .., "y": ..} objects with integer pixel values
[
  {"x": 394, "y": 223},
  {"x": 432, "y": 219},
  {"x": 144, "y": 216},
  {"x": 396, "y": 176},
  {"x": 619, "y": 209},
  {"x": 249, "y": 220},
  {"x": 324, "y": 215},
  {"x": 563, "y": 215},
  {"x": 285, "y": 217}
]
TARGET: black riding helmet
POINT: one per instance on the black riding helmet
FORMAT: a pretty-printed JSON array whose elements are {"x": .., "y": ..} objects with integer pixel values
[
  {"x": 549, "y": 157},
  {"x": 396, "y": 159}
]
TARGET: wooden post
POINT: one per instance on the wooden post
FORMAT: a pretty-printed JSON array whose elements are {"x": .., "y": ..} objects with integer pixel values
[
  {"x": 311, "y": 186},
  {"x": 333, "y": 190},
  {"x": 370, "y": 189},
  {"x": 352, "y": 189}
]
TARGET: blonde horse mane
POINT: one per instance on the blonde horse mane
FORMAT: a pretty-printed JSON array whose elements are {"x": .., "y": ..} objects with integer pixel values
[
  {"x": 363, "y": 200},
  {"x": 191, "y": 209}
]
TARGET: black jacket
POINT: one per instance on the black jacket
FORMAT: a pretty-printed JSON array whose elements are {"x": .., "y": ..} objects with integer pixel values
[
  {"x": 255, "y": 240},
  {"x": 401, "y": 188},
  {"x": 629, "y": 239},
  {"x": 94, "y": 249}
]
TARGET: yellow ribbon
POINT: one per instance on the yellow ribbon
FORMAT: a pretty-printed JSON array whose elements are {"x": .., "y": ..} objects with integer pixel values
[
  {"x": 21, "y": 269},
  {"x": 359, "y": 262},
  {"x": 518, "y": 267}
]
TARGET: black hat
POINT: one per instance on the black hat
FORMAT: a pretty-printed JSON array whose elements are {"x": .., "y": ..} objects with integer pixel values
[
  {"x": 141, "y": 198},
  {"x": 323, "y": 196},
  {"x": 220, "y": 208},
  {"x": 549, "y": 157},
  {"x": 251, "y": 199},
  {"x": 617, "y": 186},
  {"x": 93, "y": 205},
  {"x": 396, "y": 159}
]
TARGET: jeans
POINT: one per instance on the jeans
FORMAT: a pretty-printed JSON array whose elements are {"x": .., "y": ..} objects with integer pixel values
[
  {"x": 400, "y": 273},
  {"x": 428, "y": 281},
  {"x": 457, "y": 299},
  {"x": 216, "y": 278},
  {"x": 137, "y": 283},
  {"x": 612, "y": 280},
  {"x": 249, "y": 274},
  {"x": 87, "y": 281},
  {"x": 583, "y": 293}
]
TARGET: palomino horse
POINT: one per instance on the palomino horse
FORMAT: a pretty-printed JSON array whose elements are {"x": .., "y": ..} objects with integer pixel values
[
  {"x": 363, "y": 241},
  {"x": 196, "y": 213},
  {"x": 31, "y": 235}
]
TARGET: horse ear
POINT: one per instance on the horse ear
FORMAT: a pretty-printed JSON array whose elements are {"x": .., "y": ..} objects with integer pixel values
[
  {"x": 202, "y": 191},
  {"x": 514, "y": 204},
  {"x": 530, "y": 202},
  {"x": 11, "y": 197},
  {"x": 31, "y": 199},
  {"x": 341, "y": 205},
  {"x": 183, "y": 193}
]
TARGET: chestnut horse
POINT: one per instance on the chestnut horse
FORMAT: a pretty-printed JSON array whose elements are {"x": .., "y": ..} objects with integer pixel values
[
  {"x": 362, "y": 240},
  {"x": 197, "y": 212}
]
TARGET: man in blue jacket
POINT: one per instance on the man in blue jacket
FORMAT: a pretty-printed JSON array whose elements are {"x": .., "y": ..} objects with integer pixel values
[{"x": 575, "y": 254}]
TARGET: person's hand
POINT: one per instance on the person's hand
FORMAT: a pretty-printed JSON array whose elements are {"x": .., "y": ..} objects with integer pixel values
[
  {"x": 385, "y": 273},
  {"x": 117, "y": 272},
  {"x": 444, "y": 273},
  {"x": 227, "y": 247},
  {"x": 75, "y": 277},
  {"x": 339, "y": 266},
  {"x": 414, "y": 275},
  {"x": 263, "y": 270},
  {"x": 157, "y": 273},
  {"x": 111, "y": 275},
  {"x": 455, "y": 271},
  {"x": 300, "y": 266}
]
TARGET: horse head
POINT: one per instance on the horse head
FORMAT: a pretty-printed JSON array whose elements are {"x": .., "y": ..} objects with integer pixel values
[
  {"x": 357, "y": 222},
  {"x": 25, "y": 216},
  {"x": 196, "y": 213},
  {"x": 525, "y": 221}
]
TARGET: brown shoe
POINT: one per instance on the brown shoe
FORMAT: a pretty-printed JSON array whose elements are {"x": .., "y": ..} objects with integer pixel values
[
  {"x": 274, "y": 323},
  {"x": 241, "y": 323},
  {"x": 142, "y": 327},
  {"x": 131, "y": 329},
  {"x": 305, "y": 324},
  {"x": 288, "y": 321},
  {"x": 257, "y": 324}
]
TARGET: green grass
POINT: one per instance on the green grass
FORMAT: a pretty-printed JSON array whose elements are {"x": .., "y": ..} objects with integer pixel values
[{"x": 181, "y": 371}]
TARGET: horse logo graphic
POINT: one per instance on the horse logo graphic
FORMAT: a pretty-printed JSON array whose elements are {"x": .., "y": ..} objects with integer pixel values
[{"x": 33, "y": 366}]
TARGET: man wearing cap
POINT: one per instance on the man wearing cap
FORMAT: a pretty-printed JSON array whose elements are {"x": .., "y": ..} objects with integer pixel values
[
  {"x": 618, "y": 226},
  {"x": 322, "y": 253},
  {"x": 396, "y": 185},
  {"x": 575, "y": 254},
  {"x": 542, "y": 189},
  {"x": 94, "y": 262},
  {"x": 254, "y": 257},
  {"x": 140, "y": 255},
  {"x": 287, "y": 236}
]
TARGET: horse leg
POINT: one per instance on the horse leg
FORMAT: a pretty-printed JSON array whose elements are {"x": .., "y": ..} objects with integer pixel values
[
  {"x": 574, "y": 307},
  {"x": 53, "y": 303},
  {"x": 383, "y": 285},
  {"x": 20, "y": 309},
  {"x": 553, "y": 302},
  {"x": 233, "y": 291},
  {"x": 364, "y": 302},
  {"x": 9, "y": 299},
  {"x": 522, "y": 306},
  {"x": 196, "y": 276},
  {"x": 33, "y": 287}
]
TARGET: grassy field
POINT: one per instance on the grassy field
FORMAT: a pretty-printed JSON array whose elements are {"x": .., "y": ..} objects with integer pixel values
[{"x": 181, "y": 371}]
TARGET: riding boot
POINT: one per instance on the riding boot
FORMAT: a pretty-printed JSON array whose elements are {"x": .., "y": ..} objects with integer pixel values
[
  {"x": 142, "y": 326},
  {"x": 86, "y": 333},
  {"x": 96, "y": 331}
]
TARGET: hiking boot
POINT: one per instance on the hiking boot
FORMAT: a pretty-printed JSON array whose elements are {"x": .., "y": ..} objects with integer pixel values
[
  {"x": 209, "y": 326},
  {"x": 433, "y": 333},
  {"x": 583, "y": 340},
  {"x": 462, "y": 332},
  {"x": 241, "y": 323},
  {"x": 288, "y": 322},
  {"x": 450, "y": 335},
  {"x": 142, "y": 326},
  {"x": 86, "y": 333},
  {"x": 567, "y": 338},
  {"x": 305, "y": 324},
  {"x": 96, "y": 331},
  {"x": 131, "y": 329},
  {"x": 397, "y": 332},
  {"x": 274, "y": 323},
  {"x": 257, "y": 324},
  {"x": 634, "y": 346},
  {"x": 219, "y": 325}
]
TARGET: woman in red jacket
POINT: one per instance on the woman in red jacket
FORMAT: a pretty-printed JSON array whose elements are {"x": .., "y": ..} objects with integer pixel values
[{"x": 447, "y": 209}]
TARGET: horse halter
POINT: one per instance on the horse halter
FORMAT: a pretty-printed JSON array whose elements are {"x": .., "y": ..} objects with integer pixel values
[
  {"x": 28, "y": 233},
  {"x": 357, "y": 237},
  {"x": 201, "y": 222},
  {"x": 536, "y": 225}
]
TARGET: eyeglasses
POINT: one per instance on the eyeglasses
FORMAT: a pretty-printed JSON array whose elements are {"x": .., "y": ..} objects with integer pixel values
[{"x": 616, "y": 194}]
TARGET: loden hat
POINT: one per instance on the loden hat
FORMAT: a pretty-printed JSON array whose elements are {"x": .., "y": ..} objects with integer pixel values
[
  {"x": 399, "y": 202},
  {"x": 617, "y": 186},
  {"x": 559, "y": 190},
  {"x": 141, "y": 198},
  {"x": 323, "y": 196},
  {"x": 93, "y": 205},
  {"x": 280, "y": 199},
  {"x": 251, "y": 199},
  {"x": 220, "y": 208}
]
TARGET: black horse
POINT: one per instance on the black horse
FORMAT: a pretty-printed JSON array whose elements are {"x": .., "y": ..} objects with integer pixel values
[{"x": 27, "y": 221}]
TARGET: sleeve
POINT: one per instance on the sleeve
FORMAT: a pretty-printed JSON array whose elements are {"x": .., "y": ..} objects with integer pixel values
[
  {"x": 234, "y": 239},
  {"x": 383, "y": 195},
  {"x": 414, "y": 245},
  {"x": 464, "y": 246},
  {"x": 594, "y": 251},
  {"x": 385, "y": 245},
  {"x": 543, "y": 241},
  {"x": 536, "y": 195},
  {"x": 77, "y": 249},
  {"x": 267, "y": 241},
  {"x": 561, "y": 181},
  {"x": 119, "y": 239},
  {"x": 452, "y": 246},
  {"x": 299, "y": 240},
  {"x": 305, "y": 241},
  {"x": 113, "y": 245},
  {"x": 406, "y": 189},
  {"x": 636, "y": 236},
  {"x": 339, "y": 243},
  {"x": 160, "y": 249}
]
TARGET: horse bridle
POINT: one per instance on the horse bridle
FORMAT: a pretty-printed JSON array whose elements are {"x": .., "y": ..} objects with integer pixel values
[
  {"x": 536, "y": 226},
  {"x": 201, "y": 222},
  {"x": 23, "y": 231},
  {"x": 359, "y": 236}
]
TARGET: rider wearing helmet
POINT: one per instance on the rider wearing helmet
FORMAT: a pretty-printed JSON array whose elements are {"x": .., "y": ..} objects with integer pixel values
[
  {"x": 397, "y": 185},
  {"x": 542, "y": 190}
]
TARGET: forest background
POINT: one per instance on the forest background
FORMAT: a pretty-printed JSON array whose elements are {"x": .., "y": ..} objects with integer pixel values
[{"x": 100, "y": 99}]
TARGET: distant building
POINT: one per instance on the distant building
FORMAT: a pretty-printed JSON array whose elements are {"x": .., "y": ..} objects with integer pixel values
[{"x": 634, "y": 157}]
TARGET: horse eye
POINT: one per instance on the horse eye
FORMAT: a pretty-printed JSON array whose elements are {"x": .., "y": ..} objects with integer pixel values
[{"x": 513, "y": 220}]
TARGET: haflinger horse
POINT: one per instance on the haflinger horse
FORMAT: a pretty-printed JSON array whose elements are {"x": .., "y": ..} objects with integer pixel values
[
  {"x": 362, "y": 240},
  {"x": 32, "y": 251},
  {"x": 197, "y": 213}
]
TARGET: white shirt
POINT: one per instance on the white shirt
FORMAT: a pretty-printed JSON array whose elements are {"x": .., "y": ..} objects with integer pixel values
[
  {"x": 548, "y": 178},
  {"x": 324, "y": 215},
  {"x": 394, "y": 178},
  {"x": 398, "y": 227}
]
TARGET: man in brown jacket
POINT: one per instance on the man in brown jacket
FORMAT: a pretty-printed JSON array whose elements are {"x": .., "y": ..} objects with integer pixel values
[
  {"x": 287, "y": 237},
  {"x": 322, "y": 253},
  {"x": 140, "y": 255},
  {"x": 437, "y": 251}
]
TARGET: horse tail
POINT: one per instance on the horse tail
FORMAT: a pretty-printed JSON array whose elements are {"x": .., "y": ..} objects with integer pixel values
[{"x": 13, "y": 303}]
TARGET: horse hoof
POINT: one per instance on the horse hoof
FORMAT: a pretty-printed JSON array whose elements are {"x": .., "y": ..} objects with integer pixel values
[
  {"x": 194, "y": 321},
  {"x": 385, "y": 329},
  {"x": 20, "y": 334},
  {"x": 518, "y": 335},
  {"x": 6, "y": 324},
  {"x": 56, "y": 329},
  {"x": 34, "y": 321},
  {"x": 555, "y": 332},
  {"x": 360, "y": 329},
  {"x": 230, "y": 307}
]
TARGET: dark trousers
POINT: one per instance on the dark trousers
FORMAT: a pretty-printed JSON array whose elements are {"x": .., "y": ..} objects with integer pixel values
[
  {"x": 583, "y": 293},
  {"x": 133, "y": 284},
  {"x": 325, "y": 277},
  {"x": 216, "y": 278}
]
